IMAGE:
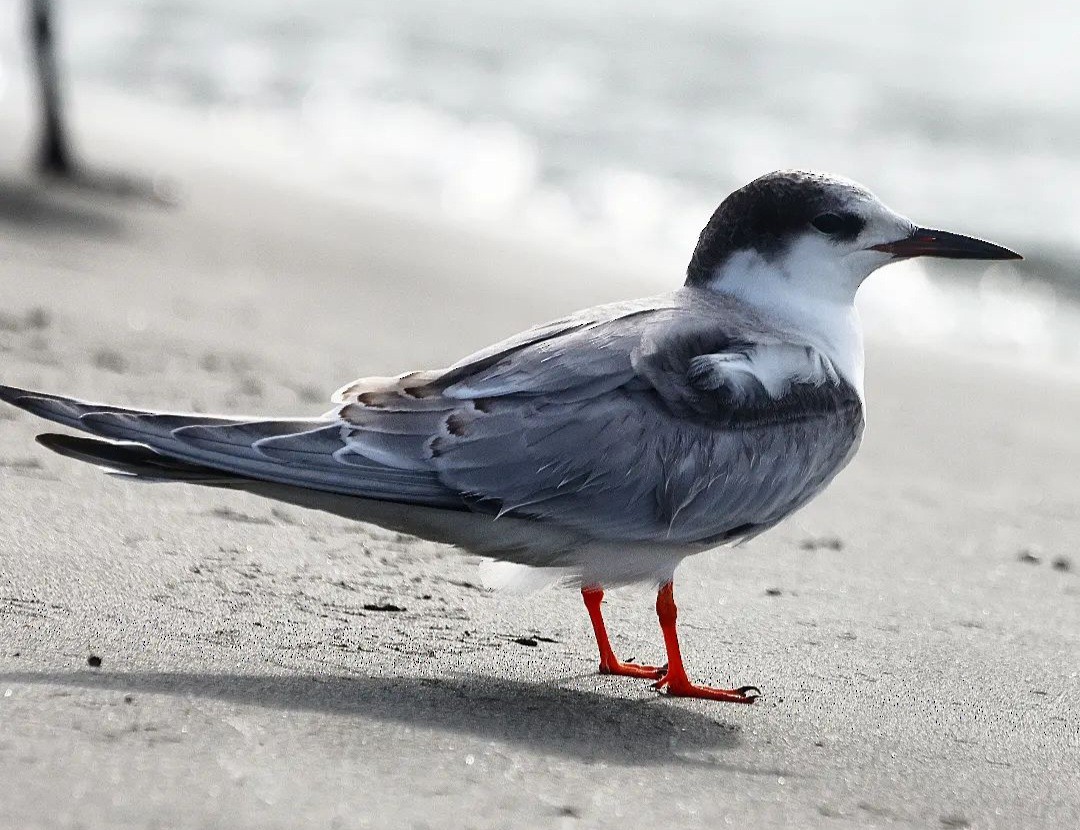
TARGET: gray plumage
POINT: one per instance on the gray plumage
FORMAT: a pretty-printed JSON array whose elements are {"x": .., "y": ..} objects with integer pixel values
[{"x": 635, "y": 425}]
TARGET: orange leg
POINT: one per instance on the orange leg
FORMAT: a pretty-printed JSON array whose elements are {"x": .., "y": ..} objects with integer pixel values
[
  {"x": 609, "y": 663},
  {"x": 675, "y": 679}
]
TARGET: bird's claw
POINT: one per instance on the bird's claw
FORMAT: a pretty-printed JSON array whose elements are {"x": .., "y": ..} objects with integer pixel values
[{"x": 684, "y": 688}]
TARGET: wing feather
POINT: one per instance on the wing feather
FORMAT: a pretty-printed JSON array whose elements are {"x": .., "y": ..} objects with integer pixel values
[
  {"x": 652, "y": 423},
  {"x": 683, "y": 418}
]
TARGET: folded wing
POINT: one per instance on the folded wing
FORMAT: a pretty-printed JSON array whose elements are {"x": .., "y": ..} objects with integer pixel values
[{"x": 659, "y": 420}]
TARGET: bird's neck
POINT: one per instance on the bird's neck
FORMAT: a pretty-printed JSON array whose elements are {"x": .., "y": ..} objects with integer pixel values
[{"x": 828, "y": 323}]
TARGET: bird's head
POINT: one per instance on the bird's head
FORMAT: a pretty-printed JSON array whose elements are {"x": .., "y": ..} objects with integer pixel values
[{"x": 818, "y": 234}]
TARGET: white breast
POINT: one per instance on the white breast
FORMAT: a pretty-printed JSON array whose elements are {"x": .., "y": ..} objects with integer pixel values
[{"x": 795, "y": 301}]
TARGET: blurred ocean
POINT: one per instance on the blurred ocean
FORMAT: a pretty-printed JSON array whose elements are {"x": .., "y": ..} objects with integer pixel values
[{"x": 620, "y": 124}]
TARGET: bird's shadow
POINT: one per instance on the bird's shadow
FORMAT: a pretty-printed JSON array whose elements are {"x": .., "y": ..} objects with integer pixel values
[{"x": 545, "y": 717}]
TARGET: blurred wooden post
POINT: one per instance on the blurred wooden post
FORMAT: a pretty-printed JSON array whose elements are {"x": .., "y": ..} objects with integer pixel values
[{"x": 54, "y": 155}]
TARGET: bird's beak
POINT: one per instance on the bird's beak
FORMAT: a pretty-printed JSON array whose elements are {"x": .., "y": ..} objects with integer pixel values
[{"x": 929, "y": 242}]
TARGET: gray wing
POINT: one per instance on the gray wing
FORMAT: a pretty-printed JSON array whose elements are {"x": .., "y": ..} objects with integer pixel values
[
  {"x": 396, "y": 463},
  {"x": 612, "y": 425},
  {"x": 645, "y": 421},
  {"x": 298, "y": 452}
]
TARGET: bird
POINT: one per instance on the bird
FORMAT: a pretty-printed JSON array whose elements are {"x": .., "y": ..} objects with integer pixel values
[{"x": 601, "y": 449}]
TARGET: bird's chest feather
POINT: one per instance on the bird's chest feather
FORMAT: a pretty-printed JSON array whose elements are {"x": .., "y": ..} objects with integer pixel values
[{"x": 767, "y": 436}]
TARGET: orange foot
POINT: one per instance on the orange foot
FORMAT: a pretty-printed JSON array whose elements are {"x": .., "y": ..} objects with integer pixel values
[
  {"x": 618, "y": 667},
  {"x": 681, "y": 687},
  {"x": 675, "y": 678},
  {"x": 609, "y": 663}
]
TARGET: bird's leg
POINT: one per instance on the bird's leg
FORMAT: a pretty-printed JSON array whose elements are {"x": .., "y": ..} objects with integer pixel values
[
  {"x": 609, "y": 663},
  {"x": 675, "y": 679}
]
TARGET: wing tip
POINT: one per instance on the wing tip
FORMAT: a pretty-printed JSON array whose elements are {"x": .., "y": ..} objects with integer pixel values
[
  {"x": 72, "y": 446},
  {"x": 130, "y": 459},
  {"x": 51, "y": 440},
  {"x": 13, "y": 394}
]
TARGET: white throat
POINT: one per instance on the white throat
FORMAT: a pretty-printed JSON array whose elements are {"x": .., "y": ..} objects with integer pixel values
[{"x": 798, "y": 301}]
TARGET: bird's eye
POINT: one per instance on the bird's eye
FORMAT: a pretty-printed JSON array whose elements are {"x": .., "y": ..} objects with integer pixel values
[{"x": 828, "y": 223}]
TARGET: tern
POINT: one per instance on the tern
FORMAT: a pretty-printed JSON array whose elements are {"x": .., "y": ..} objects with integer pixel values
[{"x": 602, "y": 448}]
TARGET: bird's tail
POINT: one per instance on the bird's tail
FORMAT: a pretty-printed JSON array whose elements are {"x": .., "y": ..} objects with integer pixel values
[
  {"x": 219, "y": 450},
  {"x": 291, "y": 461}
]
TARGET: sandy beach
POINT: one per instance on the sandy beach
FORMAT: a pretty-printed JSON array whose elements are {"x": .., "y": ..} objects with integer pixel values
[{"x": 915, "y": 631}]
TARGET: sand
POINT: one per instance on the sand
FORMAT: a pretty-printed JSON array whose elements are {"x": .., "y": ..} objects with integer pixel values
[{"x": 916, "y": 631}]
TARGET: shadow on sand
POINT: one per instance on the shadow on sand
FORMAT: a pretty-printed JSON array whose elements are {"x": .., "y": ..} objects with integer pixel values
[
  {"x": 29, "y": 205},
  {"x": 544, "y": 717},
  {"x": 69, "y": 206}
]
